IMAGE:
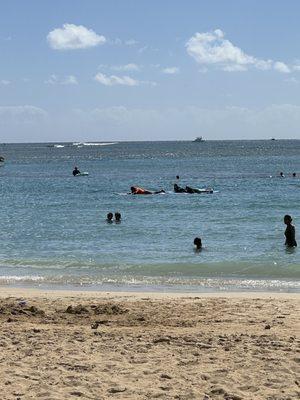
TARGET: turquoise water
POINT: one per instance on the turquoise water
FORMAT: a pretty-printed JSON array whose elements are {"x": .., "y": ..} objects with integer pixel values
[{"x": 53, "y": 228}]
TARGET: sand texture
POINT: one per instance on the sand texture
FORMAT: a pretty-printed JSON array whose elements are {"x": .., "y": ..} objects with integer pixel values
[{"x": 125, "y": 347}]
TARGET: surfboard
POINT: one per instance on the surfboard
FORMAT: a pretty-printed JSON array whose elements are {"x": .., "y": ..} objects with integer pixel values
[{"x": 82, "y": 174}]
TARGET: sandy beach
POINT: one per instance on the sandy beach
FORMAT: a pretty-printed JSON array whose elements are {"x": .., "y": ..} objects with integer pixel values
[{"x": 89, "y": 345}]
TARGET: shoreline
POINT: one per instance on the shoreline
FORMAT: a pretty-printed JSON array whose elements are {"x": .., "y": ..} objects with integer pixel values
[{"x": 138, "y": 295}]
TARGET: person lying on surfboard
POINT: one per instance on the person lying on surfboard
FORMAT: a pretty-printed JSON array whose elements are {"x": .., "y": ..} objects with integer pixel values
[
  {"x": 138, "y": 190},
  {"x": 196, "y": 190},
  {"x": 178, "y": 189}
]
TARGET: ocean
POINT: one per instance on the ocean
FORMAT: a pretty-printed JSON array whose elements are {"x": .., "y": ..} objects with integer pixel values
[{"x": 54, "y": 232}]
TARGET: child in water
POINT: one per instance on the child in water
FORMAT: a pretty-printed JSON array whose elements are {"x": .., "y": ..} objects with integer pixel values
[{"x": 290, "y": 233}]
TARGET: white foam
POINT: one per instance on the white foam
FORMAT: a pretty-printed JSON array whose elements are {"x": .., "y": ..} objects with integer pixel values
[
  {"x": 80, "y": 144},
  {"x": 98, "y": 144}
]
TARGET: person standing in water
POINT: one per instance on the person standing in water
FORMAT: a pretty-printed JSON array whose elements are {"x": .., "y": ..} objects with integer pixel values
[
  {"x": 290, "y": 233},
  {"x": 198, "y": 243}
]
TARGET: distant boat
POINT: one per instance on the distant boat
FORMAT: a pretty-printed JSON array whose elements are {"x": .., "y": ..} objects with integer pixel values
[
  {"x": 272, "y": 138},
  {"x": 199, "y": 139}
]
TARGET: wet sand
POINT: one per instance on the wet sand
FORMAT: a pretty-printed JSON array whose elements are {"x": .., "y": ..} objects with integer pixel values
[{"x": 89, "y": 345}]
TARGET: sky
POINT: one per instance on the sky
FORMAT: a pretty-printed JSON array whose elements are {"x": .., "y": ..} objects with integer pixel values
[{"x": 76, "y": 70}]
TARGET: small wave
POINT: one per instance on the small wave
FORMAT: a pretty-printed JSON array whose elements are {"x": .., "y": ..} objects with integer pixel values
[
  {"x": 79, "y": 144},
  {"x": 27, "y": 278},
  {"x": 129, "y": 283}
]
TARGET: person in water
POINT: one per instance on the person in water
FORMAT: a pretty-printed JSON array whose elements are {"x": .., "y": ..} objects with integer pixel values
[
  {"x": 178, "y": 189},
  {"x": 281, "y": 174},
  {"x": 117, "y": 217},
  {"x": 196, "y": 190},
  {"x": 190, "y": 190},
  {"x": 198, "y": 243},
  {"x": 138, "y": 190},
  {"x": 294, "y": 174},
  {"x": 290, "y": 232},
  {"x": 76, "y": 171},
  {"x": 109, "y": 217}
]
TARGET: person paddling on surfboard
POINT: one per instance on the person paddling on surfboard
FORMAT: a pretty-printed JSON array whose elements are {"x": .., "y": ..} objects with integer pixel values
[
  {"x": 138, "y": 190},
  {"x": 76, "y": 171},
  {"x": 178, "y": 189}
]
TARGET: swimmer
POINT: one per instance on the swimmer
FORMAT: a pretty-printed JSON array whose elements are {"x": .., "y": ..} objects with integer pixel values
[
  {"x": 294, "y": 174},
  {"x": 109, "y": 218},
  {"x": 282, "y": 175},
  {"x": 198, "y": 243},
  {"x": 117, "y": 217},
  {"x": 290, "y": 232}
]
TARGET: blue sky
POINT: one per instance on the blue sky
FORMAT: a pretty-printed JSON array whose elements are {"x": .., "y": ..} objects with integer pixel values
[{"x": 141, "y": 70}]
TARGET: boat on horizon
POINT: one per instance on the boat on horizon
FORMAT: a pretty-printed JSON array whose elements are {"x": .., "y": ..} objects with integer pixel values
[{"x": 199, "y": 139}]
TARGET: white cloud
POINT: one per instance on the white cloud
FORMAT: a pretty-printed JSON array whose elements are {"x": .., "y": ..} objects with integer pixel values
[
  {"x": 292, "y": 80},
  {"x": 52, "y": 80},
  {"x": 114, "y": 80},
  {"x": 264, "y": 65},
  {"x": 21, "y": 114},
  {"x": 142, "y": 49},
  {"x": 281, "y": 67},
  {"x": 117, "y": 42},
  {"x": 212, "y": 49},
  {"x": 68, "y": 80},
  {"x": 131, "y": 42},
  {"x": 24, "y": 123},
  {"x": 5, "y": 82},
  {"x": 72, "y": 36},
  {"x": 171, "y": 70},
  {"x": 234, "y": 68},
  {"x": 126, "y": 67},
  {"x": 120, "y": 42}
]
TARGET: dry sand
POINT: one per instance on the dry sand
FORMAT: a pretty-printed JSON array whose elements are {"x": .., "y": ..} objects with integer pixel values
[{"x": 68, "y": 345}]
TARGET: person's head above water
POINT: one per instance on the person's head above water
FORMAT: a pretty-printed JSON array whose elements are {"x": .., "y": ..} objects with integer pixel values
[
  {"x": 109, "y": 216},
  {"x": 287, "y": 219},
  {"x": 177, "y": 176},
  {"x": 117, "y": 217},
  {"x": 198, "y": 243},
  {"x": 294, "y": 174},
  {"x": 281, "y": 174}
]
